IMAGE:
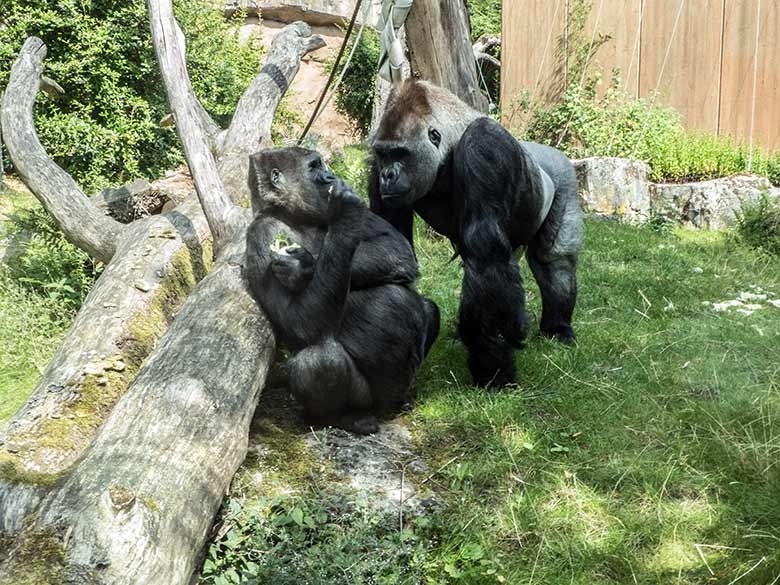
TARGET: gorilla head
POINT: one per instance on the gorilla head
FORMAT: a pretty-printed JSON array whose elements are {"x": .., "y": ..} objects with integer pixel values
[
  {"x": 294, "y": 180},
  {"x": 419, "y": 129}
]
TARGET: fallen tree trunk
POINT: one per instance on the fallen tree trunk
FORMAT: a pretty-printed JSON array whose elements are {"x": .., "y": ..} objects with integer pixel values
[
  {"x": 138, "y": 506},
  {"x": 156, "y": 262}
]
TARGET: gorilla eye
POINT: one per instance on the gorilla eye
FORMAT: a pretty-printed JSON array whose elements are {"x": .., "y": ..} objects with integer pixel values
[
  {"x": 434, "y": 136},
  {"x": 276, "y": 177}
]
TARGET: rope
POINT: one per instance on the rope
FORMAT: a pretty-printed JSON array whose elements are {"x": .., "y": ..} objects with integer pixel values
[
  {"x": 660, "y": 77},
  {"x": 584, "y": 69},
  {"x": 544, "y": 54},
  {"x": 541, "y": 68},
  {"x": 755, "y": 81},
  {"x": 491, "y": 103},
  {"x": 333, "y": 71},
  {"x": 637, "y": 45},
  {"x": 346, "y": 64}
]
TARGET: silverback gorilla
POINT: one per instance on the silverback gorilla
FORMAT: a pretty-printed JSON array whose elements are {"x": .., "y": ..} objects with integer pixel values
[
  {"x": 470, "y": 180},
  {"x": 337, "y": 284}
]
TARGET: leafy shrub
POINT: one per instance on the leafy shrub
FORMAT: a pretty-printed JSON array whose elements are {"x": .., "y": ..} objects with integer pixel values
[
  {"x": 355, "y": 95},
  {"x": 288, "y": 540},
  {"x": 485, "y": 17},
  {"x": 105, "y": 128},
  {"x": 49, "y": 265},
  {"x": 350, "y": 165},
  {"x": 758, "y": 225}
]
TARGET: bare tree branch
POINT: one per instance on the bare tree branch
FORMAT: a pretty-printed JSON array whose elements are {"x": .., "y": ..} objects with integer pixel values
[
  {"x": 168, "y": 43},
  {"x": 158, "y": 261},
  {"x": 83, "y": 223},
  {"x": 489, "y": 58},
  {"x": 486, "y": 42},
  {"x": 249, "y": 130}
]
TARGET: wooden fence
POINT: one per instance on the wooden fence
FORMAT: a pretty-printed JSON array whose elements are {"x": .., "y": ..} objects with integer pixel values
[{"x": 716, "y": 61}]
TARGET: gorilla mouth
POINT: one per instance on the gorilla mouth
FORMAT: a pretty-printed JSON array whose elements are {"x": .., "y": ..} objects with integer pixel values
[{"x": 395, "y": 198}]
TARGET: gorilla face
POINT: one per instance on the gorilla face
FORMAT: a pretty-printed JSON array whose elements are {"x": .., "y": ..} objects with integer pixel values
[
  {"x": 408, "y": 165},
  {"x": 291, "y": 179}
]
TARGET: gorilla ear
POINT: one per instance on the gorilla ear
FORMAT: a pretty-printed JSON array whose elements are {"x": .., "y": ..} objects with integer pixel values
[{"x": 434, "y": 136}]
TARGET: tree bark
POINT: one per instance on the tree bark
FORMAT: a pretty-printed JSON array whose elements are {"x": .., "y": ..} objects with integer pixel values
[
  {"x": 439, "y": 40},
  {"x": 158, "y": 260},
  {"x": 82, "y": 222}
]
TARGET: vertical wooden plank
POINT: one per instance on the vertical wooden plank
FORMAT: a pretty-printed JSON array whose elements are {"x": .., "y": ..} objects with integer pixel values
[
  {"x": 531, "y": 58},
  {"x": 738, "y": 67},
  {"x": 690, "y": 79},
  {"x": 621, "y": 20}
]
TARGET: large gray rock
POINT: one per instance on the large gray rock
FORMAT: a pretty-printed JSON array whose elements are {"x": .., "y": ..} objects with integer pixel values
[
  {"x": 313, "y": 12},
  {"x": 710, "y": 204},
  {"x": 616, "y": 187}
]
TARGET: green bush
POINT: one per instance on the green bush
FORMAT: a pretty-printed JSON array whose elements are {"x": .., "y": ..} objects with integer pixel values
[
  {"x": 49, "y": 265},
  {"x": 286, "y": 540},
  {"x": 355, "y": 95},
  {"x": 485, "y": 17},
  {"x": 758, "y": 225},
  {"x": 583, "y": 124},
  {"x": 105, "y": 128}
]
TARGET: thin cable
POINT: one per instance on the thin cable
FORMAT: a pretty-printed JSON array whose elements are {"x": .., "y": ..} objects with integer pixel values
[
  {"x": 544, "y": 54},
  {"x": 344, "y": 69},
  {"x": 584, "y": 69},
  {"x": 541, "y": 68},
  {"x": 660, "y": 77},
  {"x": 484, "y": 83},
  {"x": 635, "y": 53},
  {"x": 333, "y": 71},
  {"x": 755, "y": 82}
]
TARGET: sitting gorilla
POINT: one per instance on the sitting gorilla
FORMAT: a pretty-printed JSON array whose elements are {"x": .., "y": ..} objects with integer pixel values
[
  {"x": 337, "y": 283},
  {"x": 489, "y": 194}
]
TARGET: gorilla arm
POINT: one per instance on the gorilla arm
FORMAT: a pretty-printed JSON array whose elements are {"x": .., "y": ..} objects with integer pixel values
[{"x": 305, "y": 316}]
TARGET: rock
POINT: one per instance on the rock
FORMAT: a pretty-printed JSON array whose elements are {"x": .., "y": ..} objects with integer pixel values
[
  {"x": 313, "y": 12},
  {"x": 710, "y": 204},
  {"x": 375, "y": 465},
  {"x": 616, "y": 187}
]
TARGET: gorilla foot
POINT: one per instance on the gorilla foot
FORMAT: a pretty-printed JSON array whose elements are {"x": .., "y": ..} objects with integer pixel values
[
  {"x": 360, "y": 424},
  {"x": 493, "y": 377},
  {"x": 564, "y": 335}
]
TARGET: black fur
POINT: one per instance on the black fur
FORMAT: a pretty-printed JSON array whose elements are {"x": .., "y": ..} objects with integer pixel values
[
  {"x": 341, "y": 296},
  {"x": 490, "y": 195}
]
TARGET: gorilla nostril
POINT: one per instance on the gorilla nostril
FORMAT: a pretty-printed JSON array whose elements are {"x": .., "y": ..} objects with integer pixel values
[{"x": 390, "y": 174}]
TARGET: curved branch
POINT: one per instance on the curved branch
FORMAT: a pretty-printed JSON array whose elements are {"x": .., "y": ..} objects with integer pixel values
[
  {"x": 81, "y": 221},
  {"x": 168, "y": 43},
  {"x": 251, "y": 124},
  {"x": 486, "y": 42},
  {"x": 489, "y": 58}
]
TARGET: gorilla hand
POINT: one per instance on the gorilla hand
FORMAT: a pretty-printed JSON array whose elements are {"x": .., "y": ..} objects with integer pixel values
[
  {"x": 342, "y": 202},
  {"x": 293, "y": 266}
]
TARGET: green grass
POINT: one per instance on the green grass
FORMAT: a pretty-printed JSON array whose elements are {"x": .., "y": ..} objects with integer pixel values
[
  {"x": 645, "y": 454},
  {"x": 31, "y": 326},
  {"x": 634, "y": 457}
]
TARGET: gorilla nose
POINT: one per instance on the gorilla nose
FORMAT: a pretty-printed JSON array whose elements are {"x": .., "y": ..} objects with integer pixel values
[
  {"x": 326, "y": 177},
  {"x": 389, "y": 176}
]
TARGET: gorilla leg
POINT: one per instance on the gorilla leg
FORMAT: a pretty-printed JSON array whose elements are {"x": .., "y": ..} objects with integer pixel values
[
  {"x": 433, "y": 320},
  {"x": 552, "y": 257},
  {"x": 558, "y": 282},
  {"x": 324, "y": 379}
]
